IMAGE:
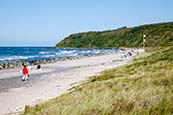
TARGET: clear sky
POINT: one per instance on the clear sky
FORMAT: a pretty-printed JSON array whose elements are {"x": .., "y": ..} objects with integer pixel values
[{"x": 46, "y": 22}]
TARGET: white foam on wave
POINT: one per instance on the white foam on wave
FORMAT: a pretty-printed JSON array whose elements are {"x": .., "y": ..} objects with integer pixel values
[
  {"x": 15, "y": 58},
  {"x": 96, "y": 52},
  {"x": 74, "y": 54},
  {"x": 85, "y": 52},
  {"x": 68, "y": 52},
  {"x": 65, "y": 52},
  {"x": 47, "y": 56},
  {"x": 43, "y": 53}
]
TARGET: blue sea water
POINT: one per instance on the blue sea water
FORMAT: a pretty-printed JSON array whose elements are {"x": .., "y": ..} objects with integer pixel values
[{"x": 15, "y": 54}]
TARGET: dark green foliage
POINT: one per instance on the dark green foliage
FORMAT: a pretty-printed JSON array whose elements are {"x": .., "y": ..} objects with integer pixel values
[{"x": 157, "y": 35}]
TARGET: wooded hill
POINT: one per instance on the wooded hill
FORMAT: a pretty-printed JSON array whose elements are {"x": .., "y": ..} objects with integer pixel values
[{"x": 160, "y": 34}]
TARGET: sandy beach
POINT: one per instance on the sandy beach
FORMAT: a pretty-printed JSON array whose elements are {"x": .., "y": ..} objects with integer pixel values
[{"x": 50, "y": 81}]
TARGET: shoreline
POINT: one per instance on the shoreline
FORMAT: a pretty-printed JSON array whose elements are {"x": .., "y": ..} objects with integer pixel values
[{"x": 7, "y": 65}]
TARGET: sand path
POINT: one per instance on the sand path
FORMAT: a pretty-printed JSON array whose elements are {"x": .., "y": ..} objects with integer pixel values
[{"x": 49, "y": 82}]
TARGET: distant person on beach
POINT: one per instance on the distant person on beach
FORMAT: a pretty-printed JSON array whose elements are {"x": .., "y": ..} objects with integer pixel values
[
  {"x": 25, "y": 73},
  {"x": 39, "y": 66},
  {"x": 129, "y": 53}
]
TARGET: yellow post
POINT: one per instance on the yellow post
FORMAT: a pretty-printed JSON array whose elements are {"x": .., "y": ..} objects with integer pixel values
[{"x": 144, "y": 40}]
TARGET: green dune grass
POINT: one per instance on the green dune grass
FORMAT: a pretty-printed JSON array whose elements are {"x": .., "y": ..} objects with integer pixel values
[{"x": 143, "y": 87}]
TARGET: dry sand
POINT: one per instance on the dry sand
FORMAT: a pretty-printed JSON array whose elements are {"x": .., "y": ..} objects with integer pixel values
[{"x": 51, "y": 81}]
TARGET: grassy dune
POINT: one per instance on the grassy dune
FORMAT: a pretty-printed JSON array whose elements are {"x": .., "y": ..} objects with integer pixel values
[{"x": 143, "y": 87}]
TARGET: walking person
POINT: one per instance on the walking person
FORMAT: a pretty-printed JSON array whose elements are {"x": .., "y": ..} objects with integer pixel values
[{"x": 25, "y": 73}]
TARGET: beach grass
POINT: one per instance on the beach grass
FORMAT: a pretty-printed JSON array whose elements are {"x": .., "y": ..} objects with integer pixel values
[{"x": 142, "y": 87}]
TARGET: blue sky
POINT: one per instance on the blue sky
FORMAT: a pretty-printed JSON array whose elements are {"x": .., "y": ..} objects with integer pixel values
[{"x": 46, "y": 22}]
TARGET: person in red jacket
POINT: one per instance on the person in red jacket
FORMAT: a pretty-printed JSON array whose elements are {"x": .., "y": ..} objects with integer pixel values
[{"x": 25, "y": 73}]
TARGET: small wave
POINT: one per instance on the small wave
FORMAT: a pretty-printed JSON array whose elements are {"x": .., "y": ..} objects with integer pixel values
[
  {"x": 85, "y": 52},
  {"x": 65, "y": 52},
  {"x": 74, "y": 54},
  {"x": 68, "y": 52},
  {"x": 11, "y": 58},
  {"x": 48, "y": 56},
  {"x": 96, "y": 52},
  {"x": 43, "y": 53}
]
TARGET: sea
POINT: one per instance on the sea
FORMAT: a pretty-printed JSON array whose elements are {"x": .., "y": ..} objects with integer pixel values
[{"x": 17, "y": 54}]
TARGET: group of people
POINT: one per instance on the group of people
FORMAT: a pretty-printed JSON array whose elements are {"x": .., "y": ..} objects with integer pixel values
[
  {"x": 25, "y": 72},
  {"x": 129, "y": 53}
]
